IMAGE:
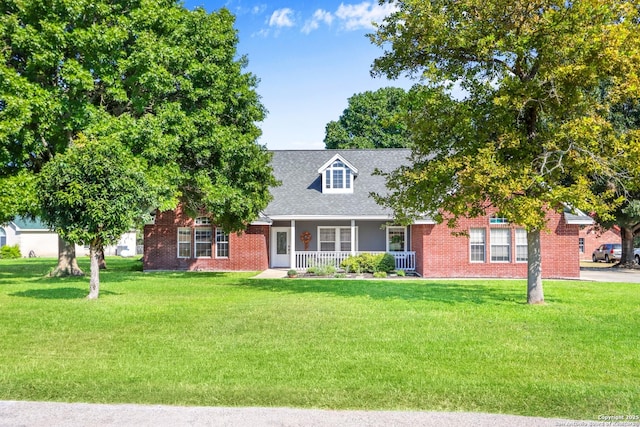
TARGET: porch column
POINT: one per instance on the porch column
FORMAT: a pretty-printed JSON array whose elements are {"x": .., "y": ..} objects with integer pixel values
[
  {"x": 353, "y": 237},
  {"x": 292, "y": 245}
]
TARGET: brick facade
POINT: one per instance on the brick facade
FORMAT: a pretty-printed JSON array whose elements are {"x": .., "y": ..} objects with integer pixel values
[
  {"x": 248, "y": 251},
  {"x": 439, "y": 253}
]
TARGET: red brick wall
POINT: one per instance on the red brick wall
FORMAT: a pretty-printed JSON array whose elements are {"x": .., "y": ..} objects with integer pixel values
[
  {"x": 447, "y": 255},
  {"x": 594, "y": 236},
  {"x": 247, "y": 251}
]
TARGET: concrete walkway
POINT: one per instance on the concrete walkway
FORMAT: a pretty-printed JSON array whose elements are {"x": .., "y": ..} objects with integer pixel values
[{"x": 36, "y": 414}]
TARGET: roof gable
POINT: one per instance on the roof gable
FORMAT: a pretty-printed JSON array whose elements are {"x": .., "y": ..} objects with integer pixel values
[{"x": 338, "y": 157}]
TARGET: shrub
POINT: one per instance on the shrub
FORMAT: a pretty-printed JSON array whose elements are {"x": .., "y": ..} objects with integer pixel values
[
  {"x": 10, "y": 252},
  {"x": 380, "y": 274},
  {"x": 387, "y": 263},
  {"x": 370, "y": 263},
  {"x": 401, "y": 273},
  {"x": 326, "y": 270},
  {"x": 292, "y": 273}
]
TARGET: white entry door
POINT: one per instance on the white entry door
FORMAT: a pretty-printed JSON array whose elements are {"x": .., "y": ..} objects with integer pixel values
[{"x": 280, "y": 247}]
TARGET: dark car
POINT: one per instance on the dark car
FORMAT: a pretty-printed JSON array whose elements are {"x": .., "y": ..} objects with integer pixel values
[{"x": 607, "y": 252}]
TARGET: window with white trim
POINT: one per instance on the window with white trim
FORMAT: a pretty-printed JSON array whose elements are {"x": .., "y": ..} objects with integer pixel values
[
  {"x": 477, "y": 242},
  {"x": 3, "y": 237},
  {"x": 203, "y": 220},
  {"x": 581, "y": 244},
  {"x": 222, "y": 244},
  {"x": 184, "y": 242},
  {"x": 203, "y": 242},
  {"x": 335, "y": 239},
  {"x": 396, "y": 239},
  {"x": 338, "y": 178},
  {"x": 521, "y": 245},
  {"x": 496, "y": 219},
  {"x": 500, "y": 245}
]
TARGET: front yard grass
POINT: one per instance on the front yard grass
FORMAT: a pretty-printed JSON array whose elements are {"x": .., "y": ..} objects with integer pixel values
[{"x": 224, "y": 339}]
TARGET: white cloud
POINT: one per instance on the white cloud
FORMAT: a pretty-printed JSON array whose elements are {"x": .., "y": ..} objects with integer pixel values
[
  {"x": 319, "y": 16},
  {"x": 258, "y": 9},
  {"x": 361, "y": 16},
  {"x": 282, "y": 18}
]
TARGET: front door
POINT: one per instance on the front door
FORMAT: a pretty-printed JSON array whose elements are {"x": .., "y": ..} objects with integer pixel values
[{"x": 280, "y": 247}]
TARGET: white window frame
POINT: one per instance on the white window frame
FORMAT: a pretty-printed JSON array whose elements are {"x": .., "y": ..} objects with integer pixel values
[
  {"x": 498, "y": 220},
  {"x": 581, "y": 245},
  {"x": 396, "y": 228},
  {"x": 480, "y": 232},
  {"x": 222, "y": 241},
  {"x": 202, "y": 220},
  {"x": 186, "y": 232},
  {"x": 521, "y": 243},
  {"x": 493, "y": 245},
  {"x": 337, "y": 243},
  {"x": 329, "y": 178},
  {"x": 196, "y": 241}
]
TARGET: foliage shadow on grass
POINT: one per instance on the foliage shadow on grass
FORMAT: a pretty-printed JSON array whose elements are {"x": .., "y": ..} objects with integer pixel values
[
  {"x": 443, "y": 292},
  {"x": 58, "y": 293}
]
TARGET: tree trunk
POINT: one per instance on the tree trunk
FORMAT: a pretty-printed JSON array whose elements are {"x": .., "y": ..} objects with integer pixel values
[
  {"x": 67, "y": 262},
  {"x": 627, "y": 247},
  {"x": 534, "y": 268},
  {"x": 101, "y": 262},
  {"x": 94, "y": 283}
]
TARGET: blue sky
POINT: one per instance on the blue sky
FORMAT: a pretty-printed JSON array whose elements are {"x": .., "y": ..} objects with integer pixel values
[{"x": 310, "y": 57}]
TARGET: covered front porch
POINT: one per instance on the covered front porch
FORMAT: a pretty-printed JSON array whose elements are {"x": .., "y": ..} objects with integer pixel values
[{"x": 300, "y": 244}]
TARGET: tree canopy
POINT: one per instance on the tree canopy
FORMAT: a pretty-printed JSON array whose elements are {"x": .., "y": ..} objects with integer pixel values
[
  {"x": 372, "y": 120},
  {"x": 531, "y": 130},
  {"x": 92, "y": 194},
  {"x": 164, "y": 81}
]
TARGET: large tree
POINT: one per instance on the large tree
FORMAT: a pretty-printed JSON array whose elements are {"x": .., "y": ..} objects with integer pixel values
[
  {"x": 530, "y": 131},
  {"x": 166, "y": 80},
  {"x": 625, "y": 117},
  {"x": 371, "y": 120}
]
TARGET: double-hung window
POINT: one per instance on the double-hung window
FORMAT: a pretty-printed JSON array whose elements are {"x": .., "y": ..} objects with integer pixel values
[
  {"x": 500, "y": 245},
  {"x": 184, "y": 242},
  {"x": 222, "y": 244},
  {"x": 336, "y": 239},
  {"x": 521, "y": 245},
  {"x": 477, "y": 238},
  {"x": 203, "y": 242}
]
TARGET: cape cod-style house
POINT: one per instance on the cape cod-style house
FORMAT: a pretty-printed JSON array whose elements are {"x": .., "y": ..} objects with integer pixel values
[{"x": 323, "y": 213}]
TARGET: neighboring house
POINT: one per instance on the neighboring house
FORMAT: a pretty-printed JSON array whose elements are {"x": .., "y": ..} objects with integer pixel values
[
  {"x": 323, "y": 212},
  {"x": 592, "y": 236},
  {"x": 36, "y": 240}
]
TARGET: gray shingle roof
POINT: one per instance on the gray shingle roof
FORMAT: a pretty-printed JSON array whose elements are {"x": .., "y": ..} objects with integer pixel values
[{"x": 301, "y": 191}]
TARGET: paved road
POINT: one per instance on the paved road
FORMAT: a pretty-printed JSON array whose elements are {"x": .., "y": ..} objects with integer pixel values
[
  {"x": 610, "y": 274},
  {"x": 33, "y": 414}
]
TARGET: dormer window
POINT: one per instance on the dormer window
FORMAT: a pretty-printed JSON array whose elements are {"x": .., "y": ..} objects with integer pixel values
[{"x": 337, "y": 176}]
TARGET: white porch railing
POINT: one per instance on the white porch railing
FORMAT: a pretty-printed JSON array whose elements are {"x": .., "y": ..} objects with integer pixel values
[{"x": 404, "y": 260}]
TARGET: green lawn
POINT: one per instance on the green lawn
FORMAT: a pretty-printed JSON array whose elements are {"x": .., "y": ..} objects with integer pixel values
[{"x": 217, "y": 339}]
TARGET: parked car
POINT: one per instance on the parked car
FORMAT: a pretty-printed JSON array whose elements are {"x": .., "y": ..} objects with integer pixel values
[
  {"x": 607, "y": 252},
  {"x": 636, "y": 255}
]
